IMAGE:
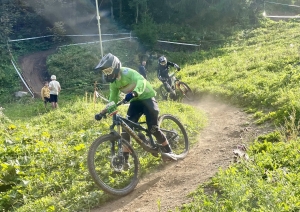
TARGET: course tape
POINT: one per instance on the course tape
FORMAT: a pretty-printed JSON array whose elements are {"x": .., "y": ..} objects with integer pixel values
[
  {"x": 276, "y": 16},
  {"x": 187, "y": 44},
  {"x": 88, "y": 35},
  {"x": 75, "y": 44},
  {"x": 290, "y": 5},
  {"x": 13, "y": 61},
  {"x": 98, "y": 95},
  {"x": 161, "y": 41},
  {"x": 22, "y": 78}
]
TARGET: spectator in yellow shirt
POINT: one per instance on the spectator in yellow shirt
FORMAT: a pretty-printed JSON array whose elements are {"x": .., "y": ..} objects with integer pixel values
[{"x": 45, "y": 93}]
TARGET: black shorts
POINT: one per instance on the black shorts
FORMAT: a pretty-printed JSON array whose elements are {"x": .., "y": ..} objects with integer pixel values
[
  {"x": 150, "y": 109},
  {"x": 46, "y": 99},
  {"x": 53, "y": 98}
]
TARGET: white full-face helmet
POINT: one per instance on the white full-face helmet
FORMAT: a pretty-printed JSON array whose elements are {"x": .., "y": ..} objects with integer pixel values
[{"x": 162, "y": 61}]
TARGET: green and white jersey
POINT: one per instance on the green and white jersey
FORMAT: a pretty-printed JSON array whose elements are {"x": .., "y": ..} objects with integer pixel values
[{"x": 130, "y": 80}]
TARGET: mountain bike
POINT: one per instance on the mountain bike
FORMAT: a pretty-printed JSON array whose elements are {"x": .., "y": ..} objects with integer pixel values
[
  {"x": 105, "y": 156},
  {"x": 177, "y": 90}
]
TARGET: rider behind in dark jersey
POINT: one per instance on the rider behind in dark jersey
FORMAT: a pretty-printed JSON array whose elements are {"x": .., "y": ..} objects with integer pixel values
[
  {"x": 163, "y": 73},
  {"x": 140, "y": 95}
]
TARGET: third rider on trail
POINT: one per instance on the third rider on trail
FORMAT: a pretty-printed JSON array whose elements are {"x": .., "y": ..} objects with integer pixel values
[{"x": 163, "y": 74}]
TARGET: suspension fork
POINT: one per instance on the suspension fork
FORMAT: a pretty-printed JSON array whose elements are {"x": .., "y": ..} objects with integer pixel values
[
  {"x": 121, "y": 124},
  {"x": 121, "y": 148},
  {"x": 117, "y": 133}
]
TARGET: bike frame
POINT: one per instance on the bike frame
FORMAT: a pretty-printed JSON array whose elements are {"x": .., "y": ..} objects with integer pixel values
[
  {"x": 129, "y": 127},
  {"x": 174, "y": 81}
]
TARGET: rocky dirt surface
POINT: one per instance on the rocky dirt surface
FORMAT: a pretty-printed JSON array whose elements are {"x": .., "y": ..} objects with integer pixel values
[{"x": 228, "y": 127}]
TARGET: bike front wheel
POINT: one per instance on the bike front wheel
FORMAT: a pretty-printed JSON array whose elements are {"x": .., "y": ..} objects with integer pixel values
[
  {"x": 185, "y": 91},
  {"x": 175, "y": 133},
  {"x": 107, "y": 166},
  {"x": 163, "y": 92}
]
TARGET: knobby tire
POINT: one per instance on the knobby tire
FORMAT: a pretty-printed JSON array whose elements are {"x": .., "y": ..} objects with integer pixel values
[
  {"x": 163, "y": 92},
  {"x": 100, "y": 167},
  {"x": 171, "y": 126},
  {"x": 186, "y": 92}
]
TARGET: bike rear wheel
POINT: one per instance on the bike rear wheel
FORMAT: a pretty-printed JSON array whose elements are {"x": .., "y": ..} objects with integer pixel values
[
  {"x": 107, "y": 166},
  {"x": 185, "y": 91},
  {"x": 175, "y": 133}
]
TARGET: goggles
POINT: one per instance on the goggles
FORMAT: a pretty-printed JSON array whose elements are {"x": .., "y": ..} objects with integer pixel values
[
  {"x": 163, "y": 63},
  {"x": 108, "y": 71}
]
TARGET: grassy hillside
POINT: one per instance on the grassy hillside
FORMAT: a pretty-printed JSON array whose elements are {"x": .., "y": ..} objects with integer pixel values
[
  {"x": 43, "y": 158},
  {"x": 257, "y": 69}
]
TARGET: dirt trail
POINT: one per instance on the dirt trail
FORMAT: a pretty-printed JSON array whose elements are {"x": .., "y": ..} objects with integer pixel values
[
  {"x": 34, "y": 71},
  {"x": 227, "y": 127}
]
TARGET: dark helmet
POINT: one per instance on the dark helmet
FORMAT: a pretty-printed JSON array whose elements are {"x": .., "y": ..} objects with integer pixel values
[
  {"x": 162, "y": 61},
  {"x": 110, "y": 66}
]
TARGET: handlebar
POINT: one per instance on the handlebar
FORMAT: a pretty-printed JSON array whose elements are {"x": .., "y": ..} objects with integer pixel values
[
  {"x": 170, "y": 75},
  {"x": 173, "y": 73},
  {"x": 109, "y": 108}
]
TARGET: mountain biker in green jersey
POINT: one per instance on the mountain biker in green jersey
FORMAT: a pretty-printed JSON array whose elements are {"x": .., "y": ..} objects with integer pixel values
[{"x": 140, "y": 95}]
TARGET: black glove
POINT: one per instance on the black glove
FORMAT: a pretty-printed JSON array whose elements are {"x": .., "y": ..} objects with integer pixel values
[
  {"x": 177, "y": 67},
  {"x": 98, "y": 116}
]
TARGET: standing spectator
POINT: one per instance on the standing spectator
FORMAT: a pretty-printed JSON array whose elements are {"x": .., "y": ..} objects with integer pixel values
[
  {"x": 45, "y": 93},
  {"x": 142, "y": 69},
  {"x": 55, "y": 88}
]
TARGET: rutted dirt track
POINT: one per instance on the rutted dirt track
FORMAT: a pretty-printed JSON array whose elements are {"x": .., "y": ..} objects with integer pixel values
[
  {"x": 227, "y": 127},
  {"x": 34, "y": 70},
  {"x": 171, "y": 185}
]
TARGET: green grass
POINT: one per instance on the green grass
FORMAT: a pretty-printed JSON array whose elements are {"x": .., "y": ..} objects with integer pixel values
[
  {"x": 44, "y": 153},
  {"x": 260, "y": 72},
  {"x": 268, "y": 182},
  {"x": 27, "y": 107}
]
